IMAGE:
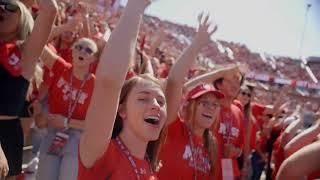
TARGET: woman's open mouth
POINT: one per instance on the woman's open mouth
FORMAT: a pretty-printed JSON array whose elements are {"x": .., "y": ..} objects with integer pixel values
[{"x": 152, "y": 120}]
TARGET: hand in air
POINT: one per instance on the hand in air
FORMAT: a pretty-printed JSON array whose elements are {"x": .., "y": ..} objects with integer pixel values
[{"x": 204, "y": 33}]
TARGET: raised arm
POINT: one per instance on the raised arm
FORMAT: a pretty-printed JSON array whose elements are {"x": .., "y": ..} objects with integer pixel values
[
  {"x": 38, "y": 38},
  {"x": 179, "y": 71},
  {"x": 212, "y": 76},
  {"x": 301, "y": 164},
  {"x": 306, "y": 137},
  {"x": 110, "y": 76}
]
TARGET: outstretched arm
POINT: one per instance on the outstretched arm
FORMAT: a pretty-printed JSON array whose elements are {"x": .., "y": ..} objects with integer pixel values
[
  {"x": 303, "y": 139},
  {"x": 110, "y": 76},
  {"x": 301, "y": 164},
  {"x": 212, "y": 76},
  {"x": 179, "y": 71},
  {"x": 38, "y": 38}
]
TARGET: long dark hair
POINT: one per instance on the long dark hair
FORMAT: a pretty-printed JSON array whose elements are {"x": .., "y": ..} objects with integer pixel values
[
  {"x": 153, "y": 147},
  {"x": 247, "y": 107}
]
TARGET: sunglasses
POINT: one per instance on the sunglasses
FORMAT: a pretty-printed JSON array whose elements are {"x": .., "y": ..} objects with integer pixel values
[
  {"x": 84, "y": 49},
  {"x": 246, "y": 94},
  {"x": 6, "y": 6}
]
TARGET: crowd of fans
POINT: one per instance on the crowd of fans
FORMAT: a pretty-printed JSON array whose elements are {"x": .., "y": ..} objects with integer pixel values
[{"x": 106, "y": 92}]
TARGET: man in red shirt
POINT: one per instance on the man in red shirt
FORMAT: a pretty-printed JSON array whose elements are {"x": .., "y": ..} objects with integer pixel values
[{"x": 229, "y": 130}]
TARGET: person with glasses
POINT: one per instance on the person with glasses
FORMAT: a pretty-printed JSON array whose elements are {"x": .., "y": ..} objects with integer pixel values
[
  {"x": 21, "y": 43},
  {"x": 69, "y": 93},
  {"x": 190, "y": 149}
]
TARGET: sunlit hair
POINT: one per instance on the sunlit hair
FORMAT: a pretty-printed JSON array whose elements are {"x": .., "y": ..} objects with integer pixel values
[
  {"x": 88, "y": 41},
  {"x": 210, "y": 142},
  {"x": 153, "y": 146},
  {"x": 26, "y": 21}
]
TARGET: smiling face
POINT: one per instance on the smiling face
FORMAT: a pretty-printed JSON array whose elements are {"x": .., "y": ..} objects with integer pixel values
[
  {"x": 206, "y": 111},
  {"x": 83, "y": 53},
  {"x": 9, "y": 18},
  {"x": 144, "y": 111}
]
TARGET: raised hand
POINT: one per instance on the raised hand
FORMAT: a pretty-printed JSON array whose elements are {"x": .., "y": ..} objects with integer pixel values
[{"x": 204, "y": 33}]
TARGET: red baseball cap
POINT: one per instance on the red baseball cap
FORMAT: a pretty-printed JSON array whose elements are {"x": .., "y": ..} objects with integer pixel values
[{"x": 202, "y": 89}]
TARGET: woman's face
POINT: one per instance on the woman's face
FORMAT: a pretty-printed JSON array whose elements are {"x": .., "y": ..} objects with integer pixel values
[
  {"x": 83, "y": 54},
  {"x": 9, "y": 18},
  {"x": 207, "y": 110},
  {"x": 145, "y": 110},
  {"x": 244, "y": 97}
]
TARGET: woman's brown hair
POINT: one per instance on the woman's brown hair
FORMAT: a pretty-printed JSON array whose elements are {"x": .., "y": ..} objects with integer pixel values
[
  {"x": 210, "y": 142},
  {"x": 153, "y": 147}
]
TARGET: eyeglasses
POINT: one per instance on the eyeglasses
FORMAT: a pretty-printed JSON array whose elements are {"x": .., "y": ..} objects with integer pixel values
[
  {"x": 246, "y": 94},
  {"x": 208, "y": 104},
  {"x": 85, "y": 49},
  {"x": 6, "y": 6}
]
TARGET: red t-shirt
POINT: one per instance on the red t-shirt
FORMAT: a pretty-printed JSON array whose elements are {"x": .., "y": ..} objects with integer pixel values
[
  {"x": 253, "y": 130},
  {"x": 177, "y": 158},
  {"x": 277, "y": 155},
  {"x": 66, "y": 54},
  {"x": 114, "y": 165},
  {"x": 10, "y": 58},
  {"x": 59, "y": 89},
  {"x": 230, "y": 130},
  {"x": 258, "y": 112}
]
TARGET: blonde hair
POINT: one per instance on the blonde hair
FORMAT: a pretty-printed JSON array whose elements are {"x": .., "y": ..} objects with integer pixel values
[{"x": 26, "y": 21}]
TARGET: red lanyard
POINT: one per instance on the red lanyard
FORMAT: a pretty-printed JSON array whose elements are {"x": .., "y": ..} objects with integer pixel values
[
  {"x": 193, "y": 152},
  {"x": 72, "y": 105},
  {"x": 125, "y": 151}
]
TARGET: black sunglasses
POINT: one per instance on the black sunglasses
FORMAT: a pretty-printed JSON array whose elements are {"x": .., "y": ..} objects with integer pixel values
[
  {"x": 6, "y": 6},
  {"x": 246, "y": 94},
  {"x": 85, "y": 49}
]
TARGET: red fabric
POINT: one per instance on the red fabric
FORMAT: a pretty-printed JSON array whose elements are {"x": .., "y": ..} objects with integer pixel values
[
  {"x": 10, "y": 58},
  {"x": 277, "y": 155},
  {"x": 66, "y": 54},
  {"x": 130, "y": 74},
  {"x": 176, "y": 155},
  {"x": 253, "y": 131},
  {"x": 113, "y": 165},
  {"x": 231, "y": 115},
  {"x": 258, "y": 113},
  {"x": 315, "y": 175},
  {"x": 59, "y": 87}
]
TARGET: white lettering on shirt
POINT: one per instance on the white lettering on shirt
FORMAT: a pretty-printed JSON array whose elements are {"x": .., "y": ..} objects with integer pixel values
[{"x": 66, "y": 90}]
